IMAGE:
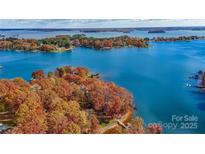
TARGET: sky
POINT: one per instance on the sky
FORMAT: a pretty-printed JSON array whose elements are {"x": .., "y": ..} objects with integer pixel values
[{"x": 97, "y": 23}]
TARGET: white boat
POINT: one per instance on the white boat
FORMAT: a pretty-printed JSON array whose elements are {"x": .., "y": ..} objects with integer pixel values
[{"x": 1, "y": 67}]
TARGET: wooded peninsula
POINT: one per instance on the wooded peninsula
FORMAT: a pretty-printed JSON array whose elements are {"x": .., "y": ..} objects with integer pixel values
[
  {"x": 63, "y": 43},
  {"x": 68, "y": 100}
]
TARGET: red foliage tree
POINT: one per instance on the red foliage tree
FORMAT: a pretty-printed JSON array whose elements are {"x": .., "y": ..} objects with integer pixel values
[
  {"x": 46, "y": 47},
  {"x": 154, "y": 129},
  {"x": 94, "y": 124},
  {"x": 38, "y": 74},
  {"x": 69, "y": 101}
]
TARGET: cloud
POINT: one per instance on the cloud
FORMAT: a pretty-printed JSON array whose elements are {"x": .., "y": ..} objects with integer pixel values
[{"x": 96, "y": 23}]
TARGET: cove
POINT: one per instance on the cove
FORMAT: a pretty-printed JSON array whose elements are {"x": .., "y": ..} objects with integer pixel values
[{"x": 156, "y": 76}]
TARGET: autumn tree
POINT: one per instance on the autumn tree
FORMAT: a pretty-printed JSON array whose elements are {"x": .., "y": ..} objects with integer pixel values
[
  {"x": 68, "y": 101},
  {"x": 154, "y": 129},
  {"x": 30, "y": 116},
  {"x": 94, "y": 124},
  {"x": 38, "y": 74}
]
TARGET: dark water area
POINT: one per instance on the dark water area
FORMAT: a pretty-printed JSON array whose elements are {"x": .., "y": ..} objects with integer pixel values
[{"x": 156, "y": 77}]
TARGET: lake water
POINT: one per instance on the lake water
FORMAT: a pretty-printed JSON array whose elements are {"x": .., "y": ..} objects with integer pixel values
[
  {"x": 156, "y": 76},
  {"x": 136, "y": 33}
]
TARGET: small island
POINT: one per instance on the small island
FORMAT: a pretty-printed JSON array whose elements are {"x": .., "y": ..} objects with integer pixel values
[
  {"x": 175, "y": 39},
  {"x": 68, "y": 100},
  {"x": 156, "y": 31},
  {"x": 62, "y": 43}
]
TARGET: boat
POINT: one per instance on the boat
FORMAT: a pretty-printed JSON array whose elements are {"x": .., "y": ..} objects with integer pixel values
[
  {"x": 188, "y": 85},
  {"x": 1, "y": 67}
]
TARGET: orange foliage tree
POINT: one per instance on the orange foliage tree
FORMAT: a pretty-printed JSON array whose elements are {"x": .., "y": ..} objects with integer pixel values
[{"x": 70, "y": 100}]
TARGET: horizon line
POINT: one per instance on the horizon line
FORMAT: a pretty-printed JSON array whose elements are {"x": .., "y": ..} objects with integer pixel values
[{"x": 108, "y": 27}]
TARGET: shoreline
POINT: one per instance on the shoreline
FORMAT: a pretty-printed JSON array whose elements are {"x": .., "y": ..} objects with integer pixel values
[
  {"x": 64, "y": 43},
  {"x": 68, "y": 93},
  {"x": 125, "y": 119}
]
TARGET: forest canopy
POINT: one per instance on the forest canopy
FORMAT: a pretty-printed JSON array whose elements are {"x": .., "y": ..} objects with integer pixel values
[{"x": 68, "y": 100}]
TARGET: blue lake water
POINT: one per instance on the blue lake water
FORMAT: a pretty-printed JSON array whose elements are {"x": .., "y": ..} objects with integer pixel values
[{"x": 156, "y": 76}]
